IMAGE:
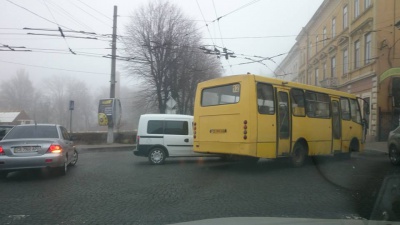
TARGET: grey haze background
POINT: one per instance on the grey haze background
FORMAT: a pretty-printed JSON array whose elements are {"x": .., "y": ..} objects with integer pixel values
[{"x": 263, "y": 28}]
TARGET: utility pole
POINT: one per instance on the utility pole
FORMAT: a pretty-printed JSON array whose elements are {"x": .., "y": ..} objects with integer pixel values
[{"x": 110, "y": 134}]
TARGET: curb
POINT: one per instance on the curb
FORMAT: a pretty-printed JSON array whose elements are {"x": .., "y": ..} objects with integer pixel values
[
  {"x": 373, "y": 152},
  {"x": 104, "y": 148}
]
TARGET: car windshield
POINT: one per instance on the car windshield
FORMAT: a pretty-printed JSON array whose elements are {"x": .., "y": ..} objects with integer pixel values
[{"x": 20, "y": 132}]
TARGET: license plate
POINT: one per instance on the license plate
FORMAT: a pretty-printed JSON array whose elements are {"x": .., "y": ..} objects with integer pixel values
[{"x": 26, "y": 149}]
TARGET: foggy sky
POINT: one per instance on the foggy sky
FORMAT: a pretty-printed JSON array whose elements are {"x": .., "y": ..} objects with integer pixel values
[{"x": 249, "y": 31}]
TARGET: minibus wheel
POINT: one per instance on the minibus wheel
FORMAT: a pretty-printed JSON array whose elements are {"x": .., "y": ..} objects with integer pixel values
[
  {"x": 299, "y": 155},
  {"x": 157, "y": 156}
]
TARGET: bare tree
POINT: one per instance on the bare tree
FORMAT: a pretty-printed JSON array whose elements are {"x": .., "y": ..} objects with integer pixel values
[
  {"x": 58, "y": 101},
  {"x": 85, "y": 110},
  {"x": 18, "y": 93},
  {"x": 165, "y": 44}
]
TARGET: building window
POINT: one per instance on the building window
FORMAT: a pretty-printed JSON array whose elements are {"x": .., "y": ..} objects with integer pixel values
[
  {"x": 345, "y": 17},
  {"x": 316, "y": 44},
  {"x": 345, "y": 61},
  {"x": 367, "y": 3},
  {"x": 309, "y": 49},
  {"x": 333, "y": 28},
  {"x": 333, "y": 67},
  {"x": 356, "y": 54},
  {"x": 367, "y": 48},
  {"x": 316, "y": 77},
  {"x": 324, "y": 37},
  {"x": 324, "y": 71},
  {"x": 356, "y": 8}
]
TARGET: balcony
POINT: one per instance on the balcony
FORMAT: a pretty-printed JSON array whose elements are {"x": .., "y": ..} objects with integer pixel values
[{"x": 330, "y": 82}]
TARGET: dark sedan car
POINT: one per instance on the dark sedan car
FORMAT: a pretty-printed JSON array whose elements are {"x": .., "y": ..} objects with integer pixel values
[
  {"x": 394, "y": 146},
  {"x": 37, "y": 146}
]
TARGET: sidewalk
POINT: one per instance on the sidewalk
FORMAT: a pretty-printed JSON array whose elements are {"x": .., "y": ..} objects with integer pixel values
[
  {"x": 376, "y": 146},
  {"x": 113, "y": 146}
]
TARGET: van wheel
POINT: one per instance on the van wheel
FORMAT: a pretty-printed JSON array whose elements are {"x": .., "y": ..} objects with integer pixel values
[
  {"x": 299, "y": 155},
  {"x": 157, "y": 156}
]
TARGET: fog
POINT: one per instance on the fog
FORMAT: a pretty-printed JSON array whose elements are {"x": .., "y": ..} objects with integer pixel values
[{"x": 246, "y": 28}]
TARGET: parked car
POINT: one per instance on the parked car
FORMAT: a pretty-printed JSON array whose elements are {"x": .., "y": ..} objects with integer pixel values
[
  {"x": 165, "y": 135},
  {"x": 37, "y": 146},
  {"x": 394, "y": 146},
  {"x": 4, "y": 130}
]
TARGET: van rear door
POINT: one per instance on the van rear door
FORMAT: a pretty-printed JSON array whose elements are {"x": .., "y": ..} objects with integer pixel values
[{"x": 178, "y": 137}]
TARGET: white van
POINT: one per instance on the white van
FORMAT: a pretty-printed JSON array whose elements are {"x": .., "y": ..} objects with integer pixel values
[{"x": 165, "y": 135}]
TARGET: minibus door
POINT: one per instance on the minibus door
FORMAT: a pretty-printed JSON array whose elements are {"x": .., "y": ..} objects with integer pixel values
[
  {"x": 283, "y": 123},
  {"x": 336, "y": 127}
]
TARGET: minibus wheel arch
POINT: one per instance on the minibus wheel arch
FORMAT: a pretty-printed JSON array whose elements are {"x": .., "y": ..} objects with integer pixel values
[
  {"x": 354, "y": 145},
  {"x": 299, "y": 152}
]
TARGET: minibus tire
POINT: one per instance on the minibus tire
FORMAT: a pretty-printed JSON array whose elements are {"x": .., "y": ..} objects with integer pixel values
[
  {"x": 157, "y": 156},
  {"x": 299, "y": 155}
]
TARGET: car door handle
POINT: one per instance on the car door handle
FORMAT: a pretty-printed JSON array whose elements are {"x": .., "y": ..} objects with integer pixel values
[{"x": 186, "y": 140}]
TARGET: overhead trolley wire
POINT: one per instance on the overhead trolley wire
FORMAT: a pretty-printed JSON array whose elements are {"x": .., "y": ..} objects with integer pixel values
[
  {"x": 53, "y": 68},
  {"x": 59, "y": 28},
  {"x": 70, "y": 16},
  {"x": 96, "y": 10},
  {"x": 35, "y": 14},
  {"x": 108, "y": 25}
]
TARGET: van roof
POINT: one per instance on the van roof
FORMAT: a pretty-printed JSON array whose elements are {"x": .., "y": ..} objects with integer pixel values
[{"x": 167, "y": 116}]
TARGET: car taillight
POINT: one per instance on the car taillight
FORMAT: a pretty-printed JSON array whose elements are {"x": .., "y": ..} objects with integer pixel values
[
  {"x": 55, "y": 149},
  {"x": 2, "y": 151},
  {"x": 137, "y": 139}
]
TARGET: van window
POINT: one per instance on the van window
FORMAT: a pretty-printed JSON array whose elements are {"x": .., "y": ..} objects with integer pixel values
[
  {"x": 167, "y": 127},
  {"x": 155, "y": 127},
  {"x": 176, "y": 127}
]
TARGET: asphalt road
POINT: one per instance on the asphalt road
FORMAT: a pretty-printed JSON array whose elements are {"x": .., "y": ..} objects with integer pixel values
[{"x": 108, "y": 187}]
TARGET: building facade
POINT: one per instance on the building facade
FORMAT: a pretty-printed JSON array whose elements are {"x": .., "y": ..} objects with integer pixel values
[
  {"x": 14, "y": 118},
  {"x": 288, "y": 69},
  {"x": 352, "y": 46}
]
